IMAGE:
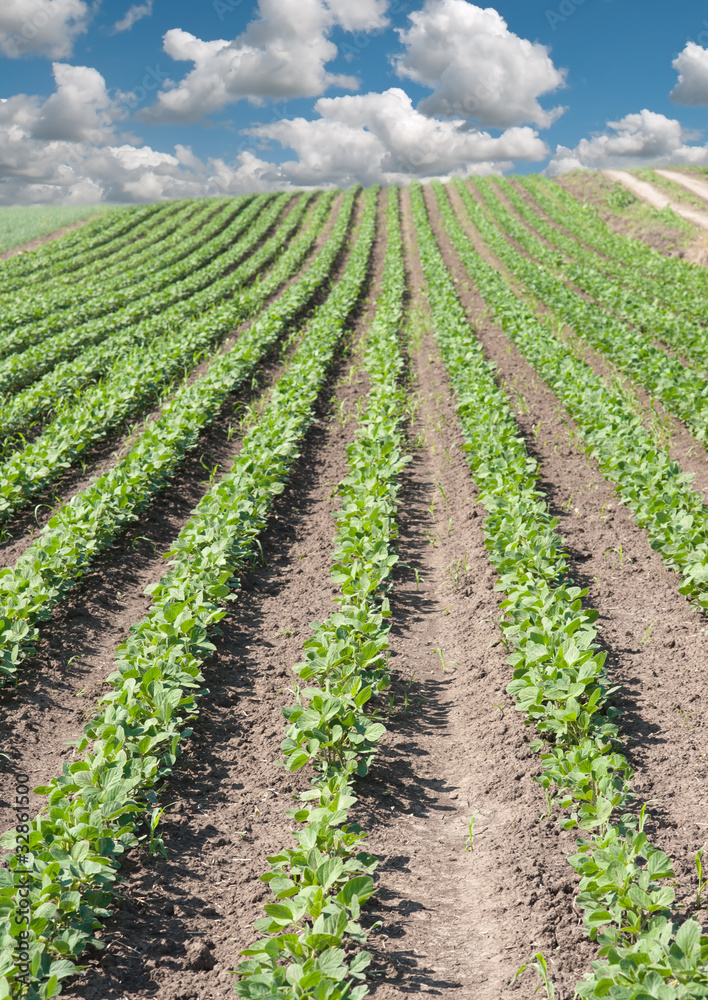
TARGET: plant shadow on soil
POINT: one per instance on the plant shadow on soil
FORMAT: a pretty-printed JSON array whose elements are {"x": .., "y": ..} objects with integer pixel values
[
  {"x": 230, "y": 760},
  {"x": 636, "y": 731},
  {"x": 394, "y": 784}
]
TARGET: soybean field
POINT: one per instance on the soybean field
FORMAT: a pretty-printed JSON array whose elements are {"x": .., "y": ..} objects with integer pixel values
[{"x": 353, "y": 629}]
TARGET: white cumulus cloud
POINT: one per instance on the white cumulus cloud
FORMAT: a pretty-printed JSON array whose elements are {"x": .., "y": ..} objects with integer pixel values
[
  {"x": 44, "y": 27},
  {"x": 80, "y": 108},
  {"x": 282, "y": 54},
  {"x": 477, "y": 68},
  {"x": 64, "y": 150},
  {"x": 692, "y": 68},
  {"x": 381, "y": 138},
  {"x": 637, "y": 140},
  {"x": 134, "y": 14}
]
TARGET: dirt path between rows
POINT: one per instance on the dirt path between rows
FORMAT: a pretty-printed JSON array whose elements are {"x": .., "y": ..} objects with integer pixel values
[
  {"x": 656, "y": 640},
  {"x": 692, "y": 184},
  {"x": 457, "y": 922},
  {"x": 652, "y": 196},
  {"x": 59, "y": 686}
]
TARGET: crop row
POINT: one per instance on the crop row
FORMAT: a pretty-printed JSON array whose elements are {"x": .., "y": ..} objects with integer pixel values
[
  {"x": 319, "y": 886},
  {"x": 77, "y": 249},
  {"x": 682, "y": 391},
  {"x": 584, "y": 268},
  {"x": 38, "y": 301},
  {"x": 96, "y": 346},
  {"x": 164, "y": 236},
  {"x": 560, "y": 684},
  {"x": 139, "y": 378},
  {"x": 653, "y": 487},
  {"x": 676, "y": 283},
  {"x": 65, "y": 861},
  {"x": 85, "y": 526},
  {"x": 80, "y": 305}
]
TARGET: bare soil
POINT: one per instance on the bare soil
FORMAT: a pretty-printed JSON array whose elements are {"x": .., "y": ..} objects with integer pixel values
[
  {"x": 458, "y": 921},
  {"x": 695, "y": 185},
  {"x": 655, "y": 639},
  {"x": 651, "y": 194}
]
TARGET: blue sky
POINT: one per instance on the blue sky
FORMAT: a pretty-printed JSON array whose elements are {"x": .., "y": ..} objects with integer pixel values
[{"x": 617, "y": 57}]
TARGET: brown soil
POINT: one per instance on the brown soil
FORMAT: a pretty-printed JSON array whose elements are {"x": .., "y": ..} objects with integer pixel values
[
  {"x": 218, "y": 833},
  {"x": 454, "y": 920},
  {"x": 656, "y": 641},
  {"x": 49, "y": 238},
  {"x": 683, "y": 446},
  {"x": 657, "y": 198},
  {"x": 694, "y": 185}
]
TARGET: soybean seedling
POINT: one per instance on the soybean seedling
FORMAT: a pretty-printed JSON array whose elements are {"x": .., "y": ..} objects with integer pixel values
[
  {"x": 702, "y": 883},
  {"x": 156, "y": 842},
  {"x": 469, "y": 842},
  {"x": 647, "y": 635},
  {"x": 541, "y": 967}
]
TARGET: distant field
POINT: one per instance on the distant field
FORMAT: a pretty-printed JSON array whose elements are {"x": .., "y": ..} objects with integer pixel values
[{"x": 22, "y": 223}]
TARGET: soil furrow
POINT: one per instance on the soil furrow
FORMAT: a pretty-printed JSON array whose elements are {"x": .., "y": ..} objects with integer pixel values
[
  {"x": 637, "y": 220},
  {"x": 656, "y": 640},
  {"x": 20, "y": 529},
  {"x": 40, "y": 240},
  {"x": 59, "y": 686},
  {"x": 544, "y": 215},
  {"x": 455, "y": 920},
  {"x": 684, "y": 448},
  {"x": 183, "y": 920}
]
